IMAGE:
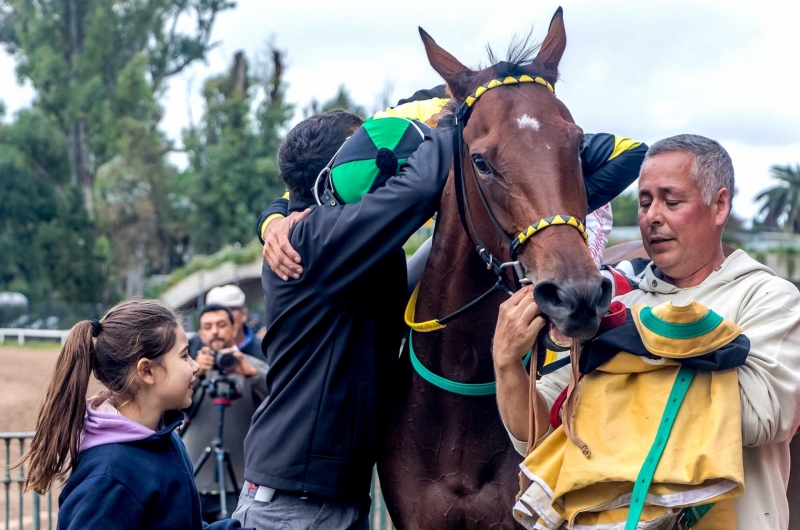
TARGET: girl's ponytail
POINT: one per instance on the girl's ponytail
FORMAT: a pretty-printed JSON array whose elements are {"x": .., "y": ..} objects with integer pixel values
[{"x": 60, "y": 421}]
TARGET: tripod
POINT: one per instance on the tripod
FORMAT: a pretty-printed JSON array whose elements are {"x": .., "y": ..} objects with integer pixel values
[{"x": 222, "y": 457}]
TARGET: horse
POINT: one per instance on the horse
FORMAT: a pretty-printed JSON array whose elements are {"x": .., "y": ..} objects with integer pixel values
[{"x": 447, "y": 461}]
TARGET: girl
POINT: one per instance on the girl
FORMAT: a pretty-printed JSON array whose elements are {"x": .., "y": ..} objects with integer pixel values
[{"x": 129, "y": 470}]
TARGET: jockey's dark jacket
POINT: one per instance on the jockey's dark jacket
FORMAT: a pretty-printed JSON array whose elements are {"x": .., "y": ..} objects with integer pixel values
[
  {"x": 609, "y": 166},
  {"x": 333, "y": 335}
]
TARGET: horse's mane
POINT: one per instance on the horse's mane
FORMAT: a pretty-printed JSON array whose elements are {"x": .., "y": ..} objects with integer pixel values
[{"x": 519, "y": 58}]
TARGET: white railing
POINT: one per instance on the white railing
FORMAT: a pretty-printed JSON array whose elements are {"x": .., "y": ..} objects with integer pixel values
[{"x": 23, "y": 334}]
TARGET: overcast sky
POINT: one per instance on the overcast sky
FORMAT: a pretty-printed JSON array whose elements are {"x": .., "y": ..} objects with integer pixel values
[{"x": 729, "y": 70}]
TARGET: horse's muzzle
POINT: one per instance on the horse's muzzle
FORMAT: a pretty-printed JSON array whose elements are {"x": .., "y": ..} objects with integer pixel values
[{"x": 575, "y": 307}]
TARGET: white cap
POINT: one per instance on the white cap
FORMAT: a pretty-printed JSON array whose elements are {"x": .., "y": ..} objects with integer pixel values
[{"x": 226, "y": 295}]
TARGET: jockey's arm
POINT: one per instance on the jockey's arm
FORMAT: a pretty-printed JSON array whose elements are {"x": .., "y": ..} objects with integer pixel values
[{"x": 610, "y": 164}]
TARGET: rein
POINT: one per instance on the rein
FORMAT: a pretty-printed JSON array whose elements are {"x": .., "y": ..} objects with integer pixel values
[{"x": 493, "y": 264}]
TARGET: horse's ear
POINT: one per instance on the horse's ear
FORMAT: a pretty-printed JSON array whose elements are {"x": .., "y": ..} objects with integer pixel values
[
  {"x": 457, "y": 76},
  {"x": 553, "y": 46}
]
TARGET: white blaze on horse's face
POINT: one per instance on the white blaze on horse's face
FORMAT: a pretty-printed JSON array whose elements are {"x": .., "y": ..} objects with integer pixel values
[{"x": 526, "y": 122}]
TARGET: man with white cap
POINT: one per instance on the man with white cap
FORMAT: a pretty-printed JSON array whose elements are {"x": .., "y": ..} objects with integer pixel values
[
  {"x": 222, "y": 326},
  {"x": 232, "y": 297}
]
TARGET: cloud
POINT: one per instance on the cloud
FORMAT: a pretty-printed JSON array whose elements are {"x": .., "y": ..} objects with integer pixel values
[{"x": 724, "y": 69}]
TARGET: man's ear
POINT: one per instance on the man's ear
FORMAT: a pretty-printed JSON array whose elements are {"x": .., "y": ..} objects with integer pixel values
[
  {"x": 144, "y": 370},
  {"x": 722, "y": 202}
]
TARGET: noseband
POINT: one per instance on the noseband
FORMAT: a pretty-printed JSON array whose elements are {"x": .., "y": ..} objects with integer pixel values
[{"x": 462, "y": 115}]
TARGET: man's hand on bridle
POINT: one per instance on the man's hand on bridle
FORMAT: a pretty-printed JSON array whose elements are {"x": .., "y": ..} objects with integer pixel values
[
  {"x": 519, "y": 322},
  {"x": 278, "y": 252}
]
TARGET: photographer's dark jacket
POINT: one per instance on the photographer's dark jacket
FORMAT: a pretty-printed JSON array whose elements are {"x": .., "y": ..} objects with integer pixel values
[
  {"x": 333, "y": 335},
  {"x": 144, "y": 481},
  {"x": 202, "y": 423}
]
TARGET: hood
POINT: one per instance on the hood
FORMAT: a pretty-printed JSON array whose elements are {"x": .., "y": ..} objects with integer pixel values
[
  {"x": 738, "y": 264},
  {"x": 104, "y": 425}
]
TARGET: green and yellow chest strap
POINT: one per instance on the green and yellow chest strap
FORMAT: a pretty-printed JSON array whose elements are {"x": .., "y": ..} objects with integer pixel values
[{"x": 689, "y": 516}]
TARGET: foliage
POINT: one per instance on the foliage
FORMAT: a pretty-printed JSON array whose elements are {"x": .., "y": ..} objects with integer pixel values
[
  {"x": 237, "y": 255},
  {"x": 342, "y": 100},
  {"x": 625, "y": 208},
  {"x": 89, "y": 203},
  {"x": 780, "y": 208},
  {"x": 233, "y": 152},
  {"x": 46, "y": 238}
]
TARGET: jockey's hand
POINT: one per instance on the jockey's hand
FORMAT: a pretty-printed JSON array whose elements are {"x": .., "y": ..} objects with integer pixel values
[
  {"x": 278, "y": 252},
  {"x": 518, "y": 324}
]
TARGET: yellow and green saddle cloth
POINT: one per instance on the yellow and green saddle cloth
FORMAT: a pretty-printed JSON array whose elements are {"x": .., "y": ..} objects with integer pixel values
[{"x": 623, "y": 412}]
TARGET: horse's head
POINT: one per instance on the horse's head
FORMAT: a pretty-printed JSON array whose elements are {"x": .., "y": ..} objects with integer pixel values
[{"x": 523, "y": 151}]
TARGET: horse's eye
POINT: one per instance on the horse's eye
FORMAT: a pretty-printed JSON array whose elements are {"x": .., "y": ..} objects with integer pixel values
[
  {"x": 582, "y": 146},
  {"x": 481, "y": 164}
]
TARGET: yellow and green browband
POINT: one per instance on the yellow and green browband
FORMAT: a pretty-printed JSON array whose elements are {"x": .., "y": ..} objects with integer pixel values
[
  {"x": 510, "y": 80},
  {"x": 550, "y": 221}
]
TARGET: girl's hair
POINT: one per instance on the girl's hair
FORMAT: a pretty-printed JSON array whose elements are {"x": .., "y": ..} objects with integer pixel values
[{"x": 130, "y": 331}]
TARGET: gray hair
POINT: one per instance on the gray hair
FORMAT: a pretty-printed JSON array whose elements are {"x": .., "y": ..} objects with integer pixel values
[{"x": 713, "y": 168}]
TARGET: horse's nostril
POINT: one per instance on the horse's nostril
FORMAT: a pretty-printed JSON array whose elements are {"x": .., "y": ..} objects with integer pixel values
[{"x": 552, "y": 300}]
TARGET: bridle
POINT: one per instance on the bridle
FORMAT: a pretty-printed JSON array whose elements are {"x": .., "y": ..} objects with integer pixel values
[
  {"x": 493, "y": 264},
  {"x": 462, "y": 115}
]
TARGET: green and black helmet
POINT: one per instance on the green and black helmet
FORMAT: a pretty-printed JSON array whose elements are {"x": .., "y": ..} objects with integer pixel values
[{"x": 375, "y": 152}]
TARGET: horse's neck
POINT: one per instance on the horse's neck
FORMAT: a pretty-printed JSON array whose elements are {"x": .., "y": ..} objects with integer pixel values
[{"x": 454, "y": 276}]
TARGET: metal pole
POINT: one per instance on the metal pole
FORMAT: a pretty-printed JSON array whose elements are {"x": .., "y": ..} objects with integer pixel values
[
  {"x": 50, "y": 509},
  {"x": 7, "y": 482},
  {"x": 21, "y": 484},
  {"x": 36, "y": 510}
]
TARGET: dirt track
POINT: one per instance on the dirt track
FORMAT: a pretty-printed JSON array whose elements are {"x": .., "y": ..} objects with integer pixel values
[{"x": 24, "y": 375}]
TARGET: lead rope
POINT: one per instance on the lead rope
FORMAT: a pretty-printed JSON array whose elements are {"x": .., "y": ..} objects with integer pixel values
[
  {"x": 533, "y": 400},
  {"x": 570, "y": 404},
  {"x": 568, "y": 417}
]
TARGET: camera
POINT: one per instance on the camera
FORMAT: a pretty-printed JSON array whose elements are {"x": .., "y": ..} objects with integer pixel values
[
  {"x": 225, "y": 362},
  {"x": 224, "y": 388}
]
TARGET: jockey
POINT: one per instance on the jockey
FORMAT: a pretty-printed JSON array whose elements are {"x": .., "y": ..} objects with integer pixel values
[
  {"x": 610, "y": 164},
  {"x": 312, "y": 444}
]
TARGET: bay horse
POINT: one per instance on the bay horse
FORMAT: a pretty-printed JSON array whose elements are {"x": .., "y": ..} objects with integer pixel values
[{"x": 448, "y": 461}]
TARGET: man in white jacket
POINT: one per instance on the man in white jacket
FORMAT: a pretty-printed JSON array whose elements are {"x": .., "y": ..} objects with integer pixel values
[{"x": 685, "y": 191}]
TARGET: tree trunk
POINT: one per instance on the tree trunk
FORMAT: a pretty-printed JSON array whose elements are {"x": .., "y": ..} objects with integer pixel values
[{"x": 80, "y": 171}]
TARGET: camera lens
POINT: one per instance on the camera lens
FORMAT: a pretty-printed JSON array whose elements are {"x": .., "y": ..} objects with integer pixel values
[{"x": 226, "y": 361}]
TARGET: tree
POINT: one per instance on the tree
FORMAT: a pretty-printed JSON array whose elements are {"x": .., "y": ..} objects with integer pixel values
[
  {"x": 342, "y": 100},
  {"x": 781, "y": 203},
  {"x": 233, "y": 153},
  {"x": 99, "y": 68},
  {"x": 76, "y": 53},
  {"x": 625, "y": 208},
  {"x": 47, "y": 240}
]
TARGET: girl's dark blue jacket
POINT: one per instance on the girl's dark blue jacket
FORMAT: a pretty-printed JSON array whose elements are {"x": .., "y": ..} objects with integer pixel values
[{"x": 147, "y": 484}]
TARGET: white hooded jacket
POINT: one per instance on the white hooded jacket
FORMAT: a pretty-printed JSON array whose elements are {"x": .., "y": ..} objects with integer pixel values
[{"x": 768, "y": 309}]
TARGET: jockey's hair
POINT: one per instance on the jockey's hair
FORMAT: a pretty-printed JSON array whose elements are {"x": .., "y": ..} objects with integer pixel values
[
  {"x": 111, "y": 348},
  {"x": 712, "y": 168},
  {"x": 309, "y": 147}
]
